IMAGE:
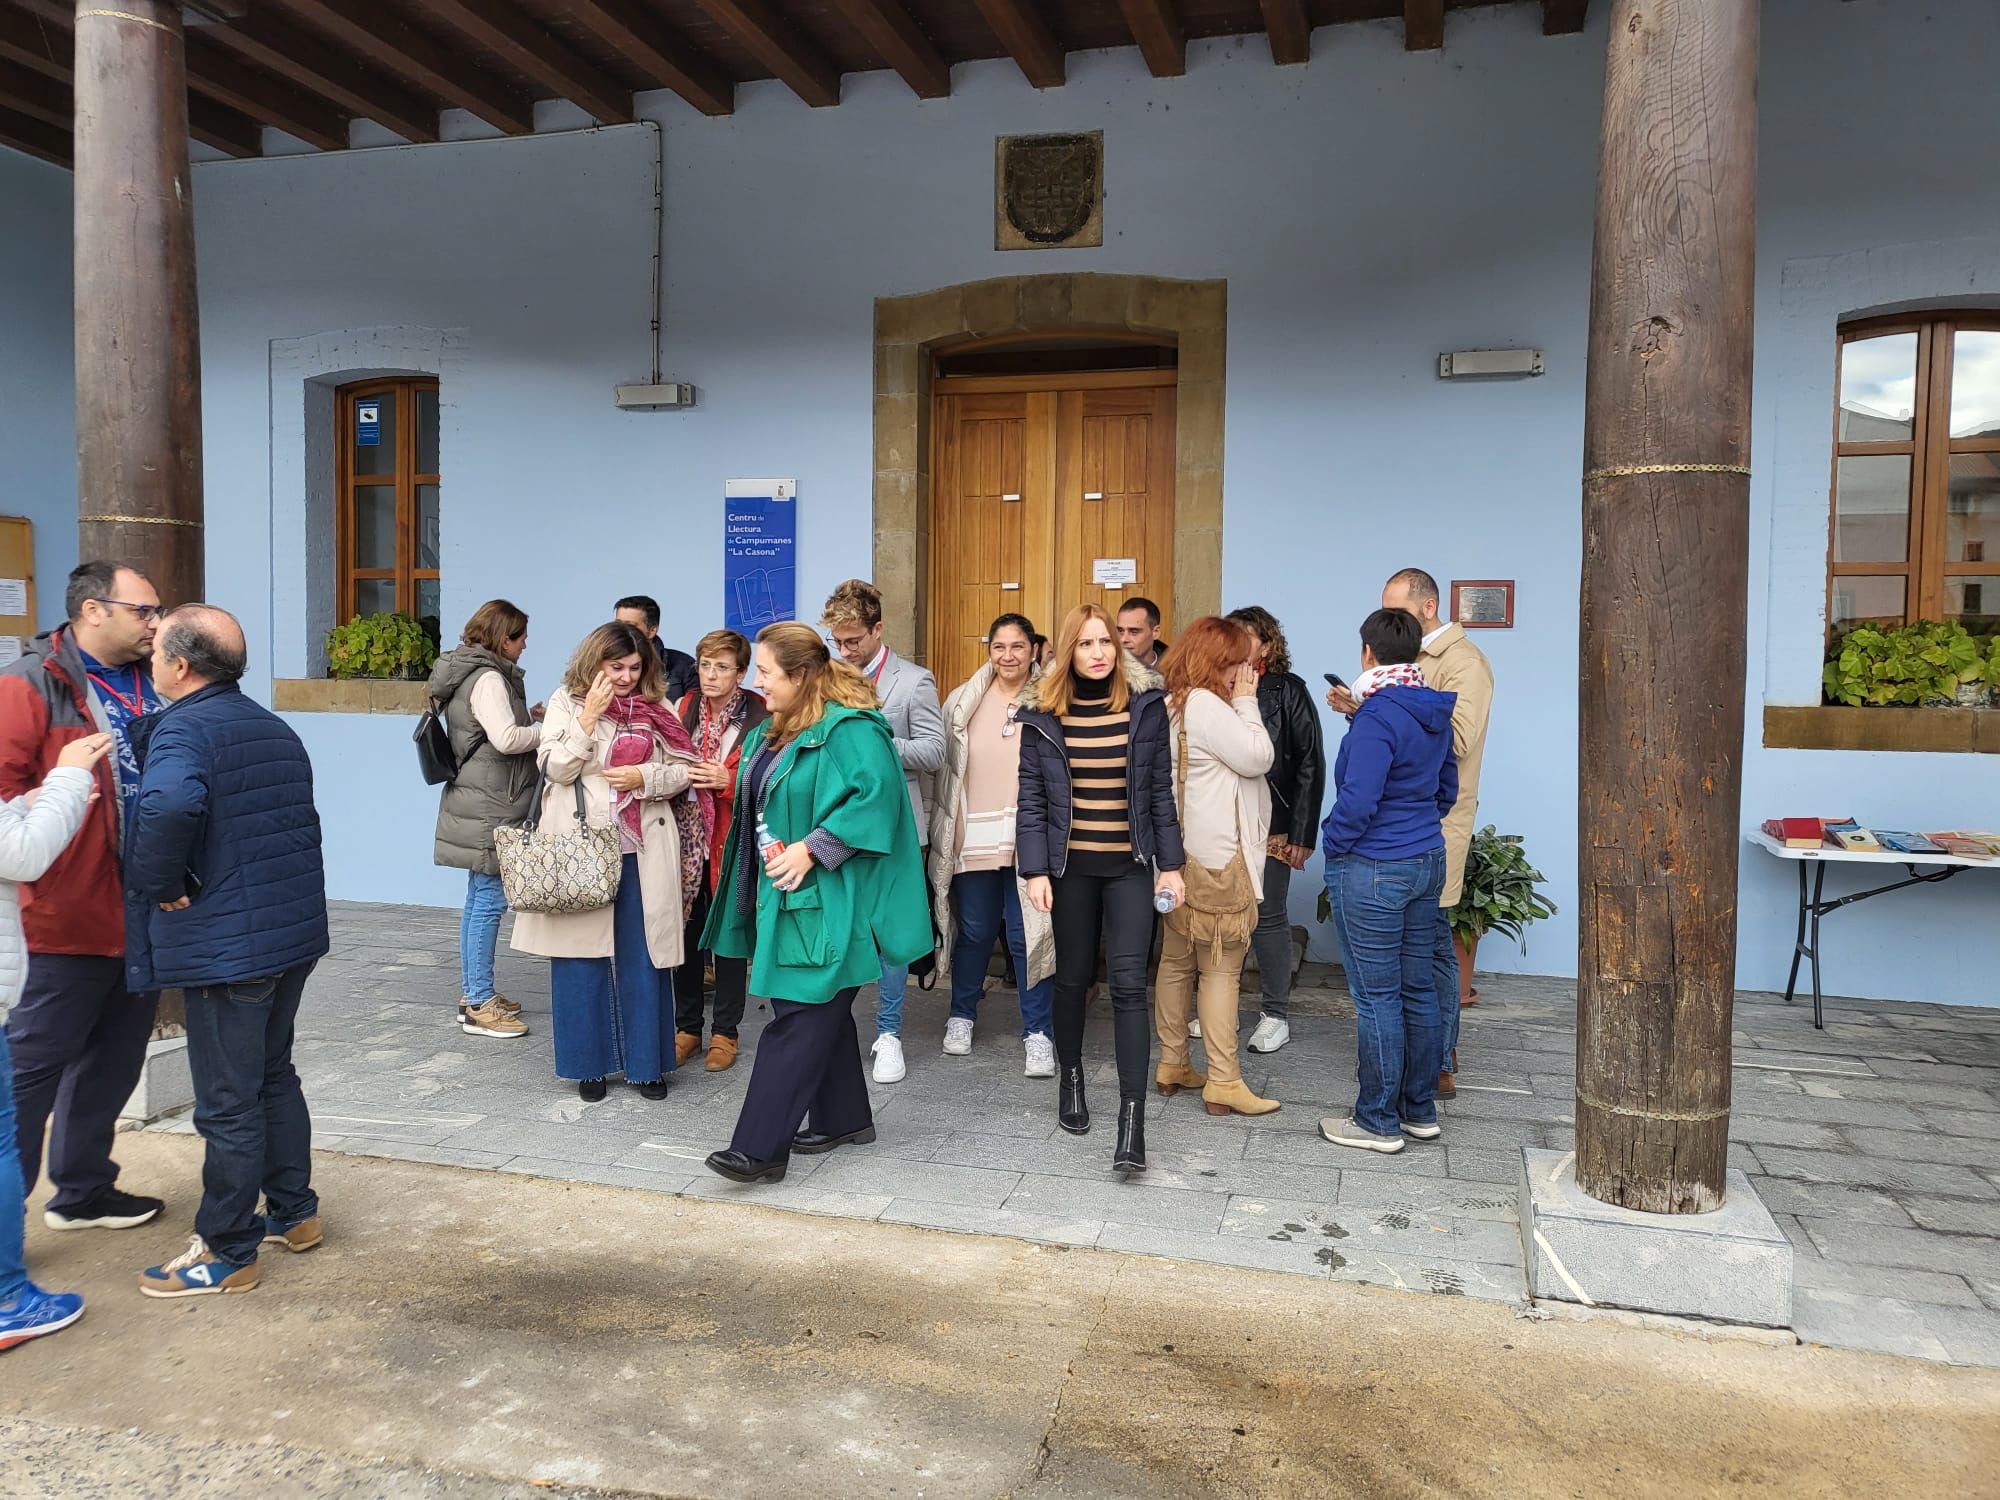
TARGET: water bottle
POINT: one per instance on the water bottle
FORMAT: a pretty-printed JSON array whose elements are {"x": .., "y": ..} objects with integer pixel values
[
  {"x": 1164, "y": 901},
  {"x": 768, "y": 842}
]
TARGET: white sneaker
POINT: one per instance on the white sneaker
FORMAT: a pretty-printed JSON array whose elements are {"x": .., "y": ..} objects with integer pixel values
[
  {"x": 888, "y": 1052},
  {"x": 1271, "y": 1034},
  {"x": 1041, "y": 1056},
  {"x": 957, "y": 1037},
  {"x": 1194, "y": 1027}
]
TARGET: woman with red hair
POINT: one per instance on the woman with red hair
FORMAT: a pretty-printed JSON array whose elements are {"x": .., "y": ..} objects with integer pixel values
[{"x": 1221, "y": 753}]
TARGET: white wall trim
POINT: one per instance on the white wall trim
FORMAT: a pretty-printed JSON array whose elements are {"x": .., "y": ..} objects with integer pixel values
[{"x": 304, "y": 375}]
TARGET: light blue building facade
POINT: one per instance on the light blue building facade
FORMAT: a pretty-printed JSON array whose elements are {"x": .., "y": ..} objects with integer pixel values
[{"x": 1367, "y": 211}]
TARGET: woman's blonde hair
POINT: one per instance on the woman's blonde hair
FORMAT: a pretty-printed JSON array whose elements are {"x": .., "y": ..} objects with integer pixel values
[
  {"x": 1058, "y": 677},
  {"x": 823, "y": 678},
  {"x": 615, "y": 642}
]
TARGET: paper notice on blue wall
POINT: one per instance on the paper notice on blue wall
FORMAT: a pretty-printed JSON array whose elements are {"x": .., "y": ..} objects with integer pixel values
[
  {"x": 367, "y": 424},
  {"x": 759, "y": 553}
]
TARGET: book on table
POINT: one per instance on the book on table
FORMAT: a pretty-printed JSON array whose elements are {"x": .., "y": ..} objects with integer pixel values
[
  {"x": 1851, "y": 836},
  {"x": 1962, "y": 845},
  {"x": 1798, "y": 833},
  {"x": 1898, "y": 842}
]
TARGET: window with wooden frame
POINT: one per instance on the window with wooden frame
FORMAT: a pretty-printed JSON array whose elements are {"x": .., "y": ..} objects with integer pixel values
[
  {"x": 386, "y": 528},
  {"x": 1915, "y": 528}
]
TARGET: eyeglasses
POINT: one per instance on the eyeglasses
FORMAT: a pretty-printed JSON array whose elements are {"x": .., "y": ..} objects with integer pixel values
[{"x": 147, "y": 612}]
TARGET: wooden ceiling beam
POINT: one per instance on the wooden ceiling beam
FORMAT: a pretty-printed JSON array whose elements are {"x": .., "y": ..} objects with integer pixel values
[
  {"x": 1423, "y": 25},
  {"x": 227, "y": 130},
  {"x": 35, "y": 95},
  {"x": 1290, "y": 30},
  {"x": 295, "y": 54},
  {"x": 420, "y": 59},
  {"x": 1156, "y": 26},
  {"x": 36, "y": 137},
  {"x": 1561, "y": 17},
  {"x": 1027, "y": 39},
  {"x": 637, "y": 35},
  {"x": 29, "y": 41},
  {"x": 887, "y": 27},
  {"x": 48, "y": 52},
  {"x": 531, "y": 48},
  {"x": 215, "y": 73},
  {"x": 779, "y": 46}
]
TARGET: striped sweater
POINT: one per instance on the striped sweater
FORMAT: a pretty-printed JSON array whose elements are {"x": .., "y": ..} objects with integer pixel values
[{"x": 1096, "y": 742}]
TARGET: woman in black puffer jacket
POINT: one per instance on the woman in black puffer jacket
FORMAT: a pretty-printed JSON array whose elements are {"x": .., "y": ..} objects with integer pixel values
[{"x": 1096, "y": 836}]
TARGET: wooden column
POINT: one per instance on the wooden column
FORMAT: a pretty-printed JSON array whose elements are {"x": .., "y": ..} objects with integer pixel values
[
  {"x": 1664, "y": 599},
  {"x": 138, "y": 375}
]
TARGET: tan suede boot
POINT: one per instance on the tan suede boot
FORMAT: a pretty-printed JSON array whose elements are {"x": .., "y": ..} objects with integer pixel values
[
  {"x": 1235, "y": 1098},
  {"x": 721, "y": 1053},
  {"x": 686, "y": 1044},
  {"x": 1173, "y": 1077}
]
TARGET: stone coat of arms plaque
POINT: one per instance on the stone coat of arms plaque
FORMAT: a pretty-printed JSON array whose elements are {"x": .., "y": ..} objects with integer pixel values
[{"x": 1048, "y": 191}]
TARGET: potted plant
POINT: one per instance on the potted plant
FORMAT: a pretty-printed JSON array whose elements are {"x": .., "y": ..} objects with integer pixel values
[
  {"x": 1499, "y": 895},
  {"x": 386, "y": 645}
]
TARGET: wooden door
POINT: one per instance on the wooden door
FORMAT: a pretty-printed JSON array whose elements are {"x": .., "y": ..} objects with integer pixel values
[{"x": 1035, "y": 479}]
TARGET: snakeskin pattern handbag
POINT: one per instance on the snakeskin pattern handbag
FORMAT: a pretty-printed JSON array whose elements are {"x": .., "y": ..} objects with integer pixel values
[{"x": 557, "y": 873}]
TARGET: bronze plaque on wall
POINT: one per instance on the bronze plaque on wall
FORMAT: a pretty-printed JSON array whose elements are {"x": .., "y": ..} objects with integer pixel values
[{"x": 1048, "y": 191}]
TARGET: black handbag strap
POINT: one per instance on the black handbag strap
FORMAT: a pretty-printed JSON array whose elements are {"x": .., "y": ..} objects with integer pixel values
[{"x": 542, "y": 784}]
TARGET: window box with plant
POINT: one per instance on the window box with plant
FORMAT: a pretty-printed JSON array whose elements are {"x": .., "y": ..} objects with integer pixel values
[
  {"x": 1929, "y": 664},
  {"x": 392, "y": 646}
]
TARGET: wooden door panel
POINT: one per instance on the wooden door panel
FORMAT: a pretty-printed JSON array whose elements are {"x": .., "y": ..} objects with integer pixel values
[{"x": 1050, "y": 447}]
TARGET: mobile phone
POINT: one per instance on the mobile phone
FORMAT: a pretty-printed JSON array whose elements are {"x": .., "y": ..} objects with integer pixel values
[{"x": 1333, "y": 681}]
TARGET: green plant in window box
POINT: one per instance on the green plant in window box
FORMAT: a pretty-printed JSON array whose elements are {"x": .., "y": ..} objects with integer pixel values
[
  {"x": 1931, "y": 663},
  {"x": 386, "y": 645}
]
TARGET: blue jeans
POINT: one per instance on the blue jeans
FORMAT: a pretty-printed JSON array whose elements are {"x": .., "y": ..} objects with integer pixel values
[
  {"x": 615, "y": 1015},
  {"x": 1447, "y": 990},
  {"x": 13, "y": 1193},
  {"x": 250, "y": 1110},
  {"x": 889, "y": 1008},
  {"x": 983, "y": 900},
  {"x": 479, "y": 934},
  {"x": 1386, "y": 914}
]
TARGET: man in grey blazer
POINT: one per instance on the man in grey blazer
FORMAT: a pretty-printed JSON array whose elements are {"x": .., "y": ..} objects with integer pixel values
[{"x": 853, "y": 622}]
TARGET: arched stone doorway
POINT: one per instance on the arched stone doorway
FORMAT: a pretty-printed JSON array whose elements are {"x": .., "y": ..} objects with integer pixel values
[{"x": 909, "y": 331}]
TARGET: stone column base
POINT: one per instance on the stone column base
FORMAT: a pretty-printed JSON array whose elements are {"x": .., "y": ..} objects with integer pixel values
[
  {"x": 1730, "y": 1266},
  {"x": 165, "y": 1085}
]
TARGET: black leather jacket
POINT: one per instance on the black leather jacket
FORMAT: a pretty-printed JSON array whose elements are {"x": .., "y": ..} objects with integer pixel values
[{"x": 1298, "y": 771}]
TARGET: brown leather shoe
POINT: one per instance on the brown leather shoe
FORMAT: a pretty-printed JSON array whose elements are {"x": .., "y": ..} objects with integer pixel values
[
  {"x": 686, "y": 1044},
  {"x": 721, "y": 1053},
  {"x": 1447, "y": 1086}
]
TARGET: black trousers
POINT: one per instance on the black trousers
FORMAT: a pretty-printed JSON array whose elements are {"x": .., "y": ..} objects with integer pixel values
[
  {"x": 1119, "y": 909},
  {"x": 732, "y": 981},
  {"x": 79, "y": 1040},
  {"x": 808, "y": 1067}
]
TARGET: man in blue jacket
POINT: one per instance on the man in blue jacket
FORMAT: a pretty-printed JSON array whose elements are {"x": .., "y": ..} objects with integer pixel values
[
  {"x": 1394, "y": 780},
  {"x": 226, "y": 899}
]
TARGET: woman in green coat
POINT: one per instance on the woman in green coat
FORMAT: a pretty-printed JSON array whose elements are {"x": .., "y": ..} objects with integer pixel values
[{"x": 823, "y": 884}]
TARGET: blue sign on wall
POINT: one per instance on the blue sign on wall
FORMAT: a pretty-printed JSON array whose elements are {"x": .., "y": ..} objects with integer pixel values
[
  {"x": 367, "y": 424},
  {"x": 759, "y": 553}
]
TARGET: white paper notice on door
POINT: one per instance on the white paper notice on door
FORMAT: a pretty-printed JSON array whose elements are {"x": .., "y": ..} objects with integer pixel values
[
  {"x": 1114, "y": 572},
  {"x": 10, "y": 650},
  {"x": 13, "y": 596}
]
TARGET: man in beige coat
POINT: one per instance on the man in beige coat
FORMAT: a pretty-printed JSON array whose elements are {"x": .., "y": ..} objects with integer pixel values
[{"x": 1451, "y": 664}]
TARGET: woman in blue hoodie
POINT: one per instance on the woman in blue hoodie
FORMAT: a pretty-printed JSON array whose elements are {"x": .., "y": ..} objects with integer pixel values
[{"x": 1394, "y": 780}]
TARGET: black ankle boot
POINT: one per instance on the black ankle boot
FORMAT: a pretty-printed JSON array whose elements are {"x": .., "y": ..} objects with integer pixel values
[
  {"x": 590, "y": 1090},
  {"x": 1071, "y": 1111},
  {"x": 1131, "y": 1153}
]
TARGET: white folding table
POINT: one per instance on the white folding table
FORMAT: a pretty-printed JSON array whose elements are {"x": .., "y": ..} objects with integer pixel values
[{"x": 1813, "y": 906}]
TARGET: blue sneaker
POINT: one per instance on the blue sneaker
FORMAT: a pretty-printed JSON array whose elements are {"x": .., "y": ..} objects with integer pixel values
[
  {"x": 36, "y": 1312},
  {"x": 197, "y": 1272}
]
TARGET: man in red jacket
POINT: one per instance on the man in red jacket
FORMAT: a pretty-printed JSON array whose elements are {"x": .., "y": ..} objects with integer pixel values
[{"x": 79, "y": 1036}]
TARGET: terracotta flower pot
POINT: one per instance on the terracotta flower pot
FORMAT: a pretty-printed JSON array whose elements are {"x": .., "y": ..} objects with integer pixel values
[{"x": 1468, "y": 949}]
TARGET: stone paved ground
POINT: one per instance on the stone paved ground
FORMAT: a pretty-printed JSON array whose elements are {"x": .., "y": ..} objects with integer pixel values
[{"x": 1876, "y": 1143}]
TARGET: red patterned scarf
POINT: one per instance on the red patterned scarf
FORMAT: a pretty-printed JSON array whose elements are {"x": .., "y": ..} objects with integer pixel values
[{"x": 694, "y": 811}]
